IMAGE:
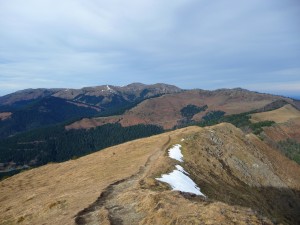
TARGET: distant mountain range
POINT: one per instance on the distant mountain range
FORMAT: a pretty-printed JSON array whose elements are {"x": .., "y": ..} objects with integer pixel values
[
  {"x": 42, "y": 125},
  {"x": 33, "y": 108},
  {"x": 99, "y": 96}
]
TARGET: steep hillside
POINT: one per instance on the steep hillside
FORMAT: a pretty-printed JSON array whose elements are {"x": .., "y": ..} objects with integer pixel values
[
  {"x": 244, "y": 181},
  {"x": 55, "y": 144},
  {"x": 284, "y": 135},
  {"x": 45, "y": 111},
  {"x": 34, "y": 108},
  {"x": 282, "y": 131},
  {"x": 166, "y": 110}
]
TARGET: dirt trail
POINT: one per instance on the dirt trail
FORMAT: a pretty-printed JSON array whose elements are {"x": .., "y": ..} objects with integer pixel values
[{"x": 118, "y": 212}]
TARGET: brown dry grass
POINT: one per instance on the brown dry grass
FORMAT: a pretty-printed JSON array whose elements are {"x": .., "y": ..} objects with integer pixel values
[
  {"x": 239, "y": 174},
  {"x": 236, "y": 169},
  {"x": 87, "y": 123},
  {"x": 165, "y": 110},
  {"x": 5, "y": 115},
  {"x": 242, "y": 177},
  {"x": 280, "y": 115},
  {"x": 54, "y": 193},
  {"x": 283, "y": 131}
]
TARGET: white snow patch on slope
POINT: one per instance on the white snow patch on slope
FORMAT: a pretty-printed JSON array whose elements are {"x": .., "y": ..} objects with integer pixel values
[
  {"x": 179, "y": 181},
  {"x": 175, "y": 153},
  {"x": 179, "y": 168}
]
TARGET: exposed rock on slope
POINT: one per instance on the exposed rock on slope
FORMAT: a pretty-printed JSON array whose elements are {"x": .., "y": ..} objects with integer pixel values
[
  {"x": 241, "y": 176},
  {"x": 245, "y": 181}
]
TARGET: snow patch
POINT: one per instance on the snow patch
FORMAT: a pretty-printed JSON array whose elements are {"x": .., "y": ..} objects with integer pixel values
[
  {"x": 179, "y": 168},
  {"x": 175, "y": 153},
  {"x": 179, "y": 181},
  {"x": 182, "y": 139}
]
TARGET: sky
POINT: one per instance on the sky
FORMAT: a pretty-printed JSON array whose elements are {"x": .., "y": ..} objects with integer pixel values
[{"x": 189, "y": 43}]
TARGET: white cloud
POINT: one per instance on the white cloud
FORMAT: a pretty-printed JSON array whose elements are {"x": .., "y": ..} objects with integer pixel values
[{"x": 190, "y": 43}]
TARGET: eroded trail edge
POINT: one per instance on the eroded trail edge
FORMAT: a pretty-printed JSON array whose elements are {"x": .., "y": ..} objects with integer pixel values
[{"x": 118, "y": 213}]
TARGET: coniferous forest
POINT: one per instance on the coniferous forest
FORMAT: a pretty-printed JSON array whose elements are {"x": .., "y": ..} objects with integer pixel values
[{"x": 55, "y": 144}]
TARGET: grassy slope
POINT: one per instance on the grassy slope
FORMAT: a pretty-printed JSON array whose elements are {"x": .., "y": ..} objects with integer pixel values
[
  {"x": 54, "y": 193},
  {"x": 285, "y": 134},
  {"x": 166, "y": 110},
  {"x": 230, "y": 168},
  {"x": 280, "y": 115},
  {"x": 221, "y": 159}
]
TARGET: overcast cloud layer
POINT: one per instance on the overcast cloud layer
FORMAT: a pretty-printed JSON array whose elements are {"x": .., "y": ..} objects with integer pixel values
[{"x": 190, "y": 43}]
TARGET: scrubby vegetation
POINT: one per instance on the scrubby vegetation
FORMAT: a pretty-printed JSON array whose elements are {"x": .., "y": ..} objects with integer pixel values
[
  {"x": 241, "y": 120},
  {"x": 291, "y": 149},
  {"x": 257, "y": 128},
  {"x": 213, "y": 115}
]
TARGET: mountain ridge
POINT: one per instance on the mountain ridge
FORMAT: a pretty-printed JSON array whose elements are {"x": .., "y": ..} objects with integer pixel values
[
  {"x": 39, "y": 132},
  {"x": 34, "y": 108},
  {"x": 245, "y": 181},
  {"x": 166, "y": 110},
  {"x": 96, "y": 90}
]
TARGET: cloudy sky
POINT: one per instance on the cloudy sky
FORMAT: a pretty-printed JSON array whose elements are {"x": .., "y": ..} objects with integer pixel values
[{"x": 254, "y": 44}]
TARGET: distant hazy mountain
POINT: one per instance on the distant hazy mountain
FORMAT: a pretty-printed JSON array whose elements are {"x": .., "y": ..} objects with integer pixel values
[
  {"x": 180, "y": 108},
  {"x": 100, "y": 96},
  {"x": 33, "y": 108}
]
